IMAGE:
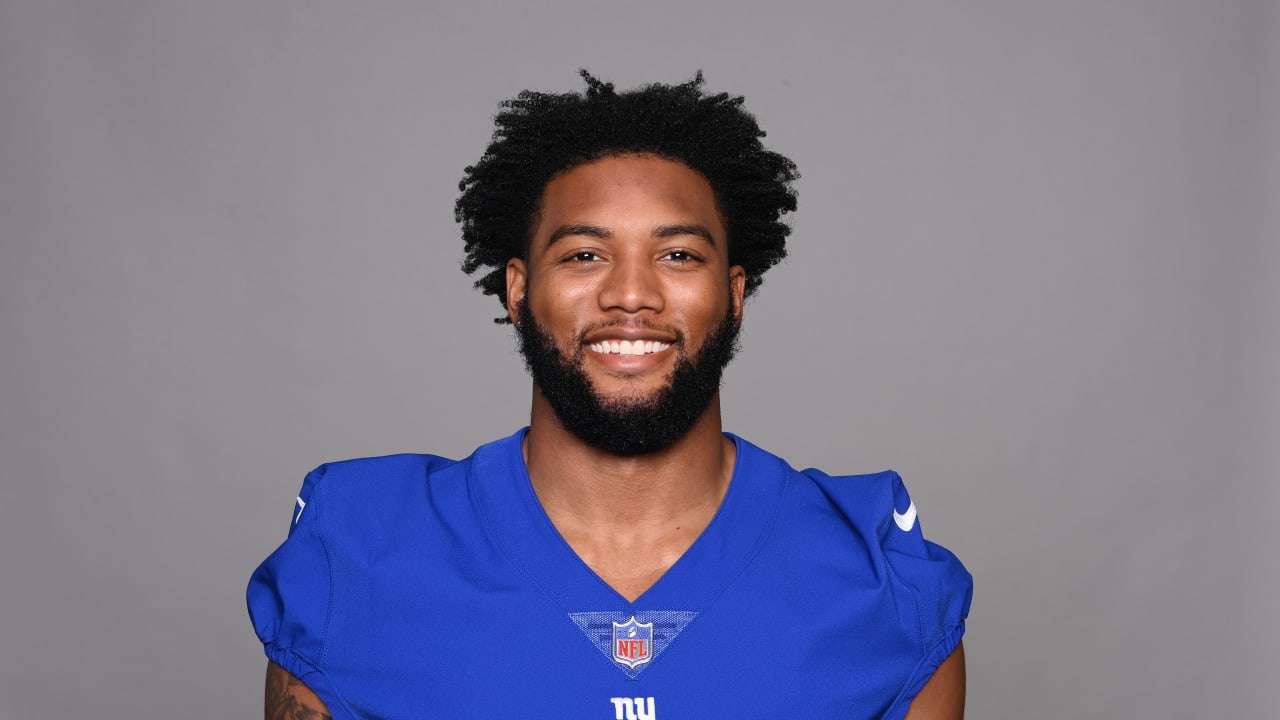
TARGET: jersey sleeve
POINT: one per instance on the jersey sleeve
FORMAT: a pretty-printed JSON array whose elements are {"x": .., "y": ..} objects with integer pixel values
[
  {"x": 290, "y": 593},
  {"x": 934, "y": 580},
  {"x": 927, "y": 587}
]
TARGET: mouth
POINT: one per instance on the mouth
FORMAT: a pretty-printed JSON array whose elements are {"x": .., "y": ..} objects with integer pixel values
[{"x": 628, "y": 347}]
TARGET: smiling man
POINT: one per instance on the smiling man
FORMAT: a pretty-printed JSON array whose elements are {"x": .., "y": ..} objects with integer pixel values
[{"x": 621, "y": 557}]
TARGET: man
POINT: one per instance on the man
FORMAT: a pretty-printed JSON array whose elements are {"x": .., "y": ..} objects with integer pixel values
[{"x": 621, "y": 557}]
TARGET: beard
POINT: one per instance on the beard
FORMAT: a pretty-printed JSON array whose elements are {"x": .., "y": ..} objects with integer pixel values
[{"x": 630, "y": 425}]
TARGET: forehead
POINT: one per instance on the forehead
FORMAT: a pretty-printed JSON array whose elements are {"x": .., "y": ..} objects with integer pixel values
[{"x": 629, "y": 190}]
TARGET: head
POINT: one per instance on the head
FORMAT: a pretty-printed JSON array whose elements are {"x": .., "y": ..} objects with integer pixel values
[{"x": 646, "y": 215}]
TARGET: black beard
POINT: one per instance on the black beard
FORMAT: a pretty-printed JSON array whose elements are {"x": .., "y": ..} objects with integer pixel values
[{"x": 624, "y": 426}]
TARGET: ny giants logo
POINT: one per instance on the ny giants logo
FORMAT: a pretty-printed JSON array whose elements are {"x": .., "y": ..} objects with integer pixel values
[
  {"x": 633, "y": 709},
  {"x": 632, "y": 643}
]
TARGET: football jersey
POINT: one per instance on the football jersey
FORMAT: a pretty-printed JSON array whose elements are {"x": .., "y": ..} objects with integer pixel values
[{"x": 414, "y": 586}]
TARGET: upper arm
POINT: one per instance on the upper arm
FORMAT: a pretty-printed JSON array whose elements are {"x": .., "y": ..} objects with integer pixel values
[
  {"x": 287, "y": 698},
  {"x": 942, "y": 698}
]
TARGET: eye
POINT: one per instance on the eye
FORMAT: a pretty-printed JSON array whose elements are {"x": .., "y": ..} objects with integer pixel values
[
  {"x": 583, "y": 256},
  {"x": 681, "y": 256}
]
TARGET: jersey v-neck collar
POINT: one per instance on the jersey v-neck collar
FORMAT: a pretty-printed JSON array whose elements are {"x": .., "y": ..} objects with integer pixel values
[{"x": 503, "y": 493}]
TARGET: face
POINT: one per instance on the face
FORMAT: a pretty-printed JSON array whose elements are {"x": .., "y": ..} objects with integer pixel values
[{"x": 627, "y": 306}]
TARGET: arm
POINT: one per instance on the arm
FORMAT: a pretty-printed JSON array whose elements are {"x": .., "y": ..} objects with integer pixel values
[
  {"x": 289, "y": 699},
  {"x": 942, "y": 698}
]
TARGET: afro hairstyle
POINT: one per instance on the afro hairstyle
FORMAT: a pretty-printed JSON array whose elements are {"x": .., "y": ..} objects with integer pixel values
[{"x": 538, "y": 135}]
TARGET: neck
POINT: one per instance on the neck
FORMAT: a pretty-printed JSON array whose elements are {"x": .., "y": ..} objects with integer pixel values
[{"x": 613, "y": 510}]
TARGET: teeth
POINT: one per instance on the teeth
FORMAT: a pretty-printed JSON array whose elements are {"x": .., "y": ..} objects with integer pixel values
[{"x": 629, "y": 347}]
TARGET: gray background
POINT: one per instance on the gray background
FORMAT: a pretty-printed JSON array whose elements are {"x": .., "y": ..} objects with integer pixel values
[{"x": 1035, "y": 269}]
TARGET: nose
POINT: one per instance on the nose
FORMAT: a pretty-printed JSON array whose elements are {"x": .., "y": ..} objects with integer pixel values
[{"x": 632, "y": 285}]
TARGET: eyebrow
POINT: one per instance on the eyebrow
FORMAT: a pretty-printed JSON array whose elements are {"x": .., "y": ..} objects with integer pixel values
[
  {"x": 589, "y": 230},
  {"x": 666, "y": 231},
  {"x": 662, "y": 231}
]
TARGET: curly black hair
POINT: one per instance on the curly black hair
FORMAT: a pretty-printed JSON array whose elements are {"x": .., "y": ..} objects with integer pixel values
[{"x": 540, "y": 135}]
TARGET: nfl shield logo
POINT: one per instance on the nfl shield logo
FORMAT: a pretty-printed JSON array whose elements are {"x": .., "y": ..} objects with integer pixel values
[{"x": 632, "y": 643}]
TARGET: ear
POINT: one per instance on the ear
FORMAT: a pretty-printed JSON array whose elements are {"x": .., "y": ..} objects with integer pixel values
[
  {"x": 517, "y": 277},
  {"x": 737, "y": 290}
]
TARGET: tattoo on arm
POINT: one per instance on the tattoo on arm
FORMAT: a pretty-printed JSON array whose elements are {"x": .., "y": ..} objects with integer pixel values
[{"x": 288, "y": 698}]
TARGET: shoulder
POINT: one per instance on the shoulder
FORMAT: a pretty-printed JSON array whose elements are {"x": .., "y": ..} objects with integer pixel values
[
  {"x": 870, "y": 527},
  {"x": 386, "y": 472},
  {"x": 360, "y": 481},
  {"x": 372, "y": 500},
  {"x": 875, "y": 503},
  {"x": 348, "y": 490},
  {"x": 882, "y": 510},
  {"x": 871, "y": 503}
]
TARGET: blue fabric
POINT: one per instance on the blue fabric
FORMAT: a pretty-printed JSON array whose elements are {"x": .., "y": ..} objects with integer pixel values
[{"x": 413, "y": 586}]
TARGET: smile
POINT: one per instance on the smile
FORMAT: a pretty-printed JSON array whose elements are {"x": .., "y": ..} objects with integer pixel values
[{"x": 628, "y": 347}]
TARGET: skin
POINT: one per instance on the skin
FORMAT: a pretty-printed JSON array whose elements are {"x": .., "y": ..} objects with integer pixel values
[
  {"x": 287, "y": 698},
  {"x": 942, "y": 698},
  {"x": 629, "y": 246}
]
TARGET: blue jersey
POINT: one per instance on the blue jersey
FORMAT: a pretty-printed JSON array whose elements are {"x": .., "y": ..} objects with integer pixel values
[{"x": 414, "y": 586}]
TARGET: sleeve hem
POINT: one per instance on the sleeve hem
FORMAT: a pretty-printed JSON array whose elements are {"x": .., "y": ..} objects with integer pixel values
[{"x": 313, "y": 677}]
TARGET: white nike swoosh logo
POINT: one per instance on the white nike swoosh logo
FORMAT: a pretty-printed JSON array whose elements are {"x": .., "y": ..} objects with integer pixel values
[
  {"x": 302, "y": 505},
  {"x": 906, "y": 520}
]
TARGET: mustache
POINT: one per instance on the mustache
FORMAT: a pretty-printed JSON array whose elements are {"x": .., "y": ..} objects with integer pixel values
[{"x": 631, "y": 324}]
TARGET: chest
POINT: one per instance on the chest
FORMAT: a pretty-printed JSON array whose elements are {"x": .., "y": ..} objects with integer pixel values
[{"x": 498, "y": 650}]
